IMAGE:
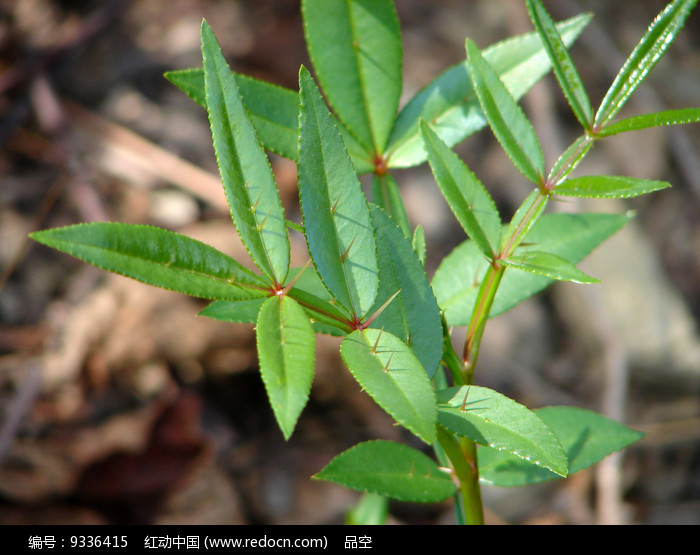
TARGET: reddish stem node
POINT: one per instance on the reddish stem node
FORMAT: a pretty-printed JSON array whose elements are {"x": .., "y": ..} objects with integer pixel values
[{"x": 380, "y": 165}]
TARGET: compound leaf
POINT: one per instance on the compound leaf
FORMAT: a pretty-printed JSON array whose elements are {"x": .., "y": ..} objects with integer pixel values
[{"x": 274, "y": 111}]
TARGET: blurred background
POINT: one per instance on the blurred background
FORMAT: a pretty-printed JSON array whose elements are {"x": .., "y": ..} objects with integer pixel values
[{"x": 119, "y": 405}]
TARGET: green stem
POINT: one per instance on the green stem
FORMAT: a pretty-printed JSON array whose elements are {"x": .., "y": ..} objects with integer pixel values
[
  {"x": 462, "y": 451},
  {"x": 449, "y": 357},
  {"x": 522, "y": 222},
  {"x": 569, "y": 160},
  {"x": 385, "y": 193},
  {"x": 480, "y": 315},
  {"x": 462, "y": 455}
]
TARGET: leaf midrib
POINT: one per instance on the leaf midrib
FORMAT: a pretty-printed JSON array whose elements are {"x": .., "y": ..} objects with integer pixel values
[
  {"x": 502, "y": 428},
  {"x": 163, "y": 265},
  {"x": 363, "y": 85},
  {"x": 226, "y": 125}
]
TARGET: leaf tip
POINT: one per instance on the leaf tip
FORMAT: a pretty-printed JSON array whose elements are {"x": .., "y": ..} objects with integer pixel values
[
  {"x": 304, "y": 72},
  {"x": 205, "y": 27}
]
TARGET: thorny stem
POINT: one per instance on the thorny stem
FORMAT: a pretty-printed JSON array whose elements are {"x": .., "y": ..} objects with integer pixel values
[
  {"x": 489, "y": 285},
  {"x": 462, "y": 451},
  {"x": 477, "y": 323}
]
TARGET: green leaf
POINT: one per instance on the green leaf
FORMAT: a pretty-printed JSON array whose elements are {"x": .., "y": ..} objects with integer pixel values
[
  {"x": 564, "y": 69},
  {"x": 391, "y": 469},
  {"x": 657, "y": 119},
  {"x": 449, "y": 103},
  {"x": 548, "y": 265},
  {"x": 337, "y": 222},
  {"x": 191, "y": 82},
  {"x": 571, "y": 236},
  {"x": 507, "y": 121},
  {"x": 246, "y": 312},
  {"x": 413, "y": 315},
  {"x": 468, "y": 199},
  {"x": 285, "y": 341},
  {"x": 587, "y": 438},
  {"x": 569, "y": 159},
  {"x": 242, "y": 312},
  {"x": 307, "y": 278},
  {"x": 361, "y": 159},
  {"x": 274, "y": 111},
  {"x": 385, "y": 194},
  {"x": 355, "y": 47},
  {"x": 419, "y": 244},
  {"x": 492, "y": 419},
  {"x": 527, "y": 214},
  {"x": 308, "y": 290},
  {"x": 245, "y": 170},
  {"x": 608, "y": 186},
  {"x": 390, "y": 373},
  {"x": 325, "y": 317},
  {"x": 157, "y": 257},
  {"x": 371, "y": 510},
  {"x": 643, "y": 58}
]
